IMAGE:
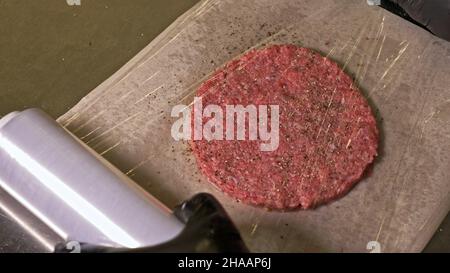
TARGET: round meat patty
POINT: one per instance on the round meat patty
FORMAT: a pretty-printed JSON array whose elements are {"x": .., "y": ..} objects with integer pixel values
[{"x": 327, "y": 132}]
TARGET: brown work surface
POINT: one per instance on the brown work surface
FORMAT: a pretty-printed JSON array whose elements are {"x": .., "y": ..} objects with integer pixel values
[
  {"x": 401, "y": 69},
  {"x": 53, "y": 54}
]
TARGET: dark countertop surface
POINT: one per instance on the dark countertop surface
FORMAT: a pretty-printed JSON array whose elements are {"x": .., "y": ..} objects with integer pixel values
[{"x": 53, "y": 54}]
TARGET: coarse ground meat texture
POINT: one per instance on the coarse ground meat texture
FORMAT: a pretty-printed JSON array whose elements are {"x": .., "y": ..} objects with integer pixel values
[{"x": 328, "y": 134}]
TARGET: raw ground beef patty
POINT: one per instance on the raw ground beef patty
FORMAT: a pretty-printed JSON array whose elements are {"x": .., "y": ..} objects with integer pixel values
[{"x": 327, "y": 133}]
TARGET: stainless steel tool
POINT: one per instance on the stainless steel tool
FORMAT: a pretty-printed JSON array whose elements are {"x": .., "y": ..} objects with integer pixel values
[{"x": 82, "y": 198}]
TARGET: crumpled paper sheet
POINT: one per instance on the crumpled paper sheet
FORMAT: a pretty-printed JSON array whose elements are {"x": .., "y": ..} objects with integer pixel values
[{"x": 403, "y": 70}]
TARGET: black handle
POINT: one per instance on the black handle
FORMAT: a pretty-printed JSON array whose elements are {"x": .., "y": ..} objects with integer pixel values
[
  {"x": 432, "y": 15},
  {"x": 208, "y": 229},
  {"x": 399, "y": 11}
]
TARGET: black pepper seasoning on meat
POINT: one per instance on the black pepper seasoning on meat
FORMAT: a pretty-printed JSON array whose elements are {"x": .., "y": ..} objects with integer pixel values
[{"x": 324, "y": 148}]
